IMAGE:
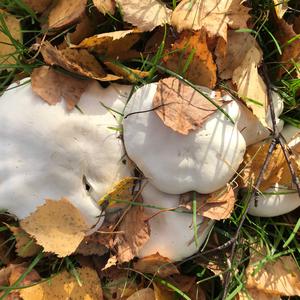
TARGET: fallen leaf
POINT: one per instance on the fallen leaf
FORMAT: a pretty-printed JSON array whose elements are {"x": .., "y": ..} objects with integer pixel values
[
  {"x": 112, "y": 261},
  {"x": 255, "y": 294},
  {"x": 79, "y": 61},
  {"x": 25, "y": 245},
  {"x": 134, "y": 233},
  {"x": 279, "y": 277},
  {"x": 276, "y": 172},
  {"x": 250, "y": 85},
  {"x": 145, "y": 15},
  {"x": 190, "y": 56},
  {"x": 111, "y": 44},
  {"x": 5, "y": 253},
  {"x": 216, "y": 206},
  {"x": 131, "y": 75},
  {"x": 280, "y": 6},
  {"x": 105, "y": 6},
  {"x": 58, "y": 226},
  {"x": 8, "y": 51},
  {"x": 65, "y": 286},
  {"x": 38, "y": 6},
  {"x": 180, "y": 107},
  {"x": 92, "y": 245},
  {"x": 143, "y": 294},
  {"x": 65, "y": 13},
  {"x": 214, "y": 16},
  {"x": 296, "y": 24},
  {"x": 157, "y": 265},
  {"x": 53, "y": 86}
]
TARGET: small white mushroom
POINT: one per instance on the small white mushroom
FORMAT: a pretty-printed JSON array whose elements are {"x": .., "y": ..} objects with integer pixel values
[
  {"x": 203, "y": 161},
  {"x": 252, "y": 129},
  {"x": 172, "y": 233},
  {"x": 47, "y": 152}
]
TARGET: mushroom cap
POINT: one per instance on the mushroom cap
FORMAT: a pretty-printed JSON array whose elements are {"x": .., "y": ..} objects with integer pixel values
[
  {"x": 171, "y": 232},
  {"x": 49, "y": 153},
  {"x": 203, "y": 161}
]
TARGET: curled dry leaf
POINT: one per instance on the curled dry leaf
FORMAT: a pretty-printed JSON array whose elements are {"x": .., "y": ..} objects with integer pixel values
[
  {"x": 214, "y": 16},
  {"x": 157, "y": 265},
  {"x": 143, "y": 294},
  {"x": 190, "y": 56},
  {"x": 92, "y": 245},
  {"x": 180, "y": 107},
  {"x": 279, "y": 277},
  {"x": 38, "y": 5},
  {"x": 145, "y": 15},
  {"x": 105, "y": 6},
  {"x": 8, "y": 51},
  {"x": 134, "y": 233},
  {"x": 250, "y": 85},
  {"x": 65, "y": 286},
  {"x": 254, "y": 294},
  {"x": 216, "y": 206},
  {"x": 58, "y": 226},
  {"x": 276, "y": 172},
  {"x": 65, "y": 13},
  {"x": 280, "y": 6},
  {"x": 112, "y": 261},
  {"x": 53, "y": 86},
  {"x": 79, "y": 61}
]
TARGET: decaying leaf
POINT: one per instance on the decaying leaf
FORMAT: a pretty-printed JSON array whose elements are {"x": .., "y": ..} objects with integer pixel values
[
  {"x": 25, "y": 245},
  {"x": 143, "y": 294},
  {"x": 157, "y": 265},
  {"x": 66, "y": 286},
  {"x": 279, "y": 277},
  {"x": 105, "y": 6},
  {"x": 215, "y": 16},
  {"x": 250, "y": 85},
  {"x": 145, "y": 15},
  {"x": 254, "y": 294},
  {"x": 38, "y": 5},
  {"x": 276, "y": 172},
  {"x": 180, "y": 107},
  {"x": 92, "y": 245},
  {"x": 58, "y": 226},
  {"x": 53, "y": 86},
  {"x": 10, "y": 33},
  {"x": 65, "y": 13},
  {"x": 112, "y": 261},
  {"x": 79, "y": 61},
  {"x": 161, "y": 293},
  {"x": 111, "y": 44},
  {"x": 281, "y": 6},
  {"x": 190, "y": 56},
  {"x": 134, "y": 233},
  {"x": 216, "y": 206}
]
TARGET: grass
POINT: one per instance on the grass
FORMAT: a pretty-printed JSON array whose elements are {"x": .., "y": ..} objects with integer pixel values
[{"x": 278, "y": 235}]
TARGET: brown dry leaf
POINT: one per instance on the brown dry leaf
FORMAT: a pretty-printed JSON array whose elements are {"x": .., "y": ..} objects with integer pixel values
[
  {"x": 25, "y": 245},
  {"x": 250, "y": 85},
  {"x": 146, "y": 14},
  {"x": 58, "y": 226},
  {"x": 279, "y": 277},
  {"x": 143, "y": 294},
  {"x": 112, "y": 261},
  {"x": 161, "y": 293},
  {"x": 180, "y": 107},
  {"x": 65, "y": 13},
  {"x": 53, "y": 86},
  {"x": 214, "y": 16},
  {"x": 216, "y": 206},
  {"x": 131, "y": 75},
  {"x": 8, "y": 52},
  {"x": 112, "y": 44},
  {"x": 296, "y": 24},
  {"x": 134, "y": 233},
  {"x": 66, "y": 286},
  {"x": 105, "y": 6},
  {"x": 256, "y": 295},
  {"x": 281, "y": 6},
  {"x": 157, "y": 265},
  {"x": 92, "y": 245},
  {"x": 276, "y": 172},
  {"x": 201, "y": 69},
  {"x": 79, "y": 61},
  {"x": 38, "y": 5}
]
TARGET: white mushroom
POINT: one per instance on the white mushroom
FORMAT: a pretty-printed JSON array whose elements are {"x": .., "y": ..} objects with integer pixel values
[
  {"x": 47, "y": 152},
  {"x": 279, "y": 200},
  {"x": 252, "y": 129},
  {"x": 203, "y": 161},
  {"x": 172, "y": 233}
]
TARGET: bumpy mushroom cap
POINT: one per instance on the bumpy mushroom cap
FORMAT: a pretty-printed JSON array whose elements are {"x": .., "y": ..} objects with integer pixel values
[
  {"x": 172, "y": 233},
  {"x": 203, "y": 160},
  {"x": 47, "y": 152}
]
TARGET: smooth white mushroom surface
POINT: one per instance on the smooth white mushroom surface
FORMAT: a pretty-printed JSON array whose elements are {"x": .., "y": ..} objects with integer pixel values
[
  {"x": 172, "y": 233},
  {"x": 47, "y": 152},
  {"x": 203, "y": 161},
  {"x": 252, "y": 129}
]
